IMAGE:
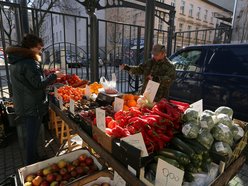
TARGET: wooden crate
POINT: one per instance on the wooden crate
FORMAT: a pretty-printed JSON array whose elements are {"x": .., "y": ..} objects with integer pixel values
[{"x": 102, "y": 138}]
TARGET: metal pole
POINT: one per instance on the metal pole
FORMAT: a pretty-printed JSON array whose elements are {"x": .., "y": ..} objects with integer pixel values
[
  {"x": 23, "y": 4},
  {"x": 149, "y": 26},
  {"x": 171, "y": 29},
  {"x": 94, "y": 75}
]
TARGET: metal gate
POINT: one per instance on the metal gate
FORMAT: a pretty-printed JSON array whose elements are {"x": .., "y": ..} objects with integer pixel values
[{"x": 67, "y": 44}]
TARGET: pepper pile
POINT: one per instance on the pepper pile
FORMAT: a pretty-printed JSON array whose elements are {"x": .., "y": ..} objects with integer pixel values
[{"x": 157, "y": 125}]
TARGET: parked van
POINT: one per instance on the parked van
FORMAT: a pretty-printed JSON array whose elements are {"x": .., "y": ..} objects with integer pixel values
[{"x": 218, "y": 74}]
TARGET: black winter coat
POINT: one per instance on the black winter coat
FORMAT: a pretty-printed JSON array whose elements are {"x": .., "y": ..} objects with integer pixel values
[{"x": 28, "y": 82}]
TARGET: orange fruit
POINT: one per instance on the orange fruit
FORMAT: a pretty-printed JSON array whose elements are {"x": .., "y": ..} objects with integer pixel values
[
  {"x": 131, "y": 103},
  {"x": 125, "y": 107}
]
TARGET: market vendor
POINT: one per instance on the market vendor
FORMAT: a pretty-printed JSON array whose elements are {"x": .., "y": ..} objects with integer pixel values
[{"x": 158, "y": 69}]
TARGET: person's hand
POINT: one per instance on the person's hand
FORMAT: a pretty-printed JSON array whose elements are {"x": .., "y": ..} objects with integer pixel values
[
  {"x": 149, "y": 77},
  {"x": 59, "y": 74},
  {"x": 122, "y": 66}
]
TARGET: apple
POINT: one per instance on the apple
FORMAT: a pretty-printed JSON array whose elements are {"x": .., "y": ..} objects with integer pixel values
[
  {"x": 54, "y": 183},
  {"x": 63, "y": 183},
  {"x": 79, "y": 170},
  {"x": 44, "y": 183},
  {"x": 70, "y": 167},
  {"x": 75, "y": 162},
  {"x": 67, "y": 176},
  {"x": 46, "y": 171},
  {"x": 62, "y": 171},
  {"x": 74, "y": 173},
  {"x": 28, "y": 183},
  {"x": 86, "y": 169},
  {"x": 89, "y": 161},
  {"x": 30, "y": 177},
  {"x": 37, "y": 181},
  {"x": 82, "y": 157},
  {"x": 94, "y": 167},
  {"x": 50, "y": 177},
  {"x": 61, "y": 164},
  {"x": 55, "y": 167},
  {"x": 82, "y": 164},
  {"x": 58, "y": 177},
  {"x": 40, "y": 173}
]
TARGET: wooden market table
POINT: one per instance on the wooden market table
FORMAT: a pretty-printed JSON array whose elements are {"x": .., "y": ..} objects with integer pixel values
[
  {"x": 221, "y": 180},
  {"x": 116, "y": 165}
]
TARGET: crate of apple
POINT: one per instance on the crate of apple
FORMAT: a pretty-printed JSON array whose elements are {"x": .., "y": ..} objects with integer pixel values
[{"x": 62, "y": 172}]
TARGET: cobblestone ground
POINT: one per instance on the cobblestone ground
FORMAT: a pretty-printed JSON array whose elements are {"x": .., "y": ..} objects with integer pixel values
[{"x": 11, "y": 158}]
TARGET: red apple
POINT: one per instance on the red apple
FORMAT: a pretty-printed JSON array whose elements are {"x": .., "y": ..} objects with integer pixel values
[
  {"x": 40, "y": 173},
  {"x": 75, "y": 162},
  {"x": 79, "y": 170},
  {"x": 62, "y": 171},
  {"x": 63, "y": 183},
  {"x": 55, "y": 167},
  {"x": 86, "y": 169},
  {"x": 70, "y": 167},
  {"x": 74, "y": 173},
  {"x": 89, "y": 161},
  {"x": 82, "y": 157},
  {"x": 82, "y": 164},
  {"x": 66, "y": 177},
  {"x": 50, "y": 177},
  {"x": 58, "y": 177},
  {"x": 94, "y": 167},
  {"x": 44, "y": 183}
]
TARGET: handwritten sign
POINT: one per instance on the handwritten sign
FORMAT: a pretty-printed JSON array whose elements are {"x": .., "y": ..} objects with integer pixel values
[
  {"x": 198, "y": 106},
  {"x": 137, "y": 141},
  {"x": 100, "y": 119},
  {"x": 168, "y": 175},
  {"x": 61, "y": 103},
  {"x": 72, "y": 106},
  {"x": 118, "y": 180},
  {"x": 151, "y": 90},
  {"x": 118, "y": 105},
  {"x": 87, "y": 91}
]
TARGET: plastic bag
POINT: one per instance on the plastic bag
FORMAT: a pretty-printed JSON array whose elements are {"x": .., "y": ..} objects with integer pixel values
[{"x": 109, "y": 86}]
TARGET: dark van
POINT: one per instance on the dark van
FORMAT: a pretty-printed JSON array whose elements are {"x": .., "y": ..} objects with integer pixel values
[{"x": 218, "y": 74}]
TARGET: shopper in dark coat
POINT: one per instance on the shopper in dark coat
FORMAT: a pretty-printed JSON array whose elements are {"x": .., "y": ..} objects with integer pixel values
[{"x": 28, "y": 86}]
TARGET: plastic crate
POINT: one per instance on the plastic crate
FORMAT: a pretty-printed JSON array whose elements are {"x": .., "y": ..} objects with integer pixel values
[{"x": 9, "y": 181}]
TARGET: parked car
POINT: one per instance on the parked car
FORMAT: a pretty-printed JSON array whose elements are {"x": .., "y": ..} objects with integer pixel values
[
  {"x": 74, "y": 61},
  {"x": 218, "y": 74}
]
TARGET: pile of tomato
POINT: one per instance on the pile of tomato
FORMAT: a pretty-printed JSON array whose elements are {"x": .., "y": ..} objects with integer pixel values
[
  {"x": 68, "y": 92},
  {"x": 72, "y": 80}
]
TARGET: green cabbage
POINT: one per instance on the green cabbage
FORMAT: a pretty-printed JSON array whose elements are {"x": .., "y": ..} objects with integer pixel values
[
  {"x": 210, "y": 112},
  {"x": 224, "y": 110},
  {"x": 190, "y": 115},
  {"x": 222, "y": 133},
  {"x": 237, "y": 132},
  {"x": 206, "y": 121},
  {"x": 222, "y": 148},
  {"x": 205, "y": 138},
  {"x": 224, "y": 119},
  {"x": 190, "y": 130}
]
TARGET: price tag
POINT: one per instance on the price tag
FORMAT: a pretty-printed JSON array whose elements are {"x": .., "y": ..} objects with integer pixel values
[
  {"x": 137, "y": 141},
  {"x": 72, "y": 106},
  {"x": 198, "y": 106},
  {"x": 118, "y": 104},
  {"x": 100, "y": 119},
  {"x": 61, "y": 103},
  {"x": 56, "y": 92},
  {"x": 168, "y": 175},
  {"x": 118, "y": 180},
  {"x": 151, "y": 90},
  {"x": 87, "y": 91}
]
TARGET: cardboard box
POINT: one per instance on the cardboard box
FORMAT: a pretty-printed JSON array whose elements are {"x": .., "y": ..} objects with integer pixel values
[
  {"x": 24, "y": 171},
  {"x": 130, "y": 156},
  {"x": 94, "y": 178},
  {"x": 102, "y": 138}
]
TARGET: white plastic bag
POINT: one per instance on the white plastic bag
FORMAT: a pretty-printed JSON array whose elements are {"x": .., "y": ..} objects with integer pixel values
[{"x": 109, "y": 86}]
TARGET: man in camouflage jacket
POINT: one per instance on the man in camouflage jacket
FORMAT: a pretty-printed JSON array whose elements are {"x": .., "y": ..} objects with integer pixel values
[{"x": 158, "y": 69}]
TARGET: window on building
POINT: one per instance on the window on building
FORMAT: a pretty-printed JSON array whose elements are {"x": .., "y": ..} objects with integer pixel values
[
  {"x": 56, "y": 19},
  {"x": 206, "y": 15},
  {"x": 180, "y": 28},
  {"x": 191, "y": 8},
  {"x": 160, "y": 24},
  {"x": 59, "y": 18},
  {"x": 57, "y": 37},
  {"x": 212, "y": 18},
  {"x": 198, "y": 14},
  {"x": 173, "y": 3},
  {"x": 182, "y": 7},
  {"x": 60, "y": 35},
  {"x": 189, "y": 33}
]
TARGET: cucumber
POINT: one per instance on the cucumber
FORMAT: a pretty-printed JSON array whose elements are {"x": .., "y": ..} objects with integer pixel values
[
  {"x": 152, "y": 167},
  {"x": 197, "y": 147},
  {"x": 188, "y": 177},
  {"x": 168, "y": 160},
  {"x": 182, "y": 146},
  {"x": 180, "y": 157}
]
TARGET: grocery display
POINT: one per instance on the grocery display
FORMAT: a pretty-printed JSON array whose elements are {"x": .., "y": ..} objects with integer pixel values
[{"x": 172, "y": 131}]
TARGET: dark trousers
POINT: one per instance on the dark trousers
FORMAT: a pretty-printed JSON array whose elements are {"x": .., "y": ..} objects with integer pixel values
[{"x": 30, "y": 130}]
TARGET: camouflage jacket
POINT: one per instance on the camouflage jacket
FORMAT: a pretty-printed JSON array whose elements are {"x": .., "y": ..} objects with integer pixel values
[{"x": 162, "y": 71}]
